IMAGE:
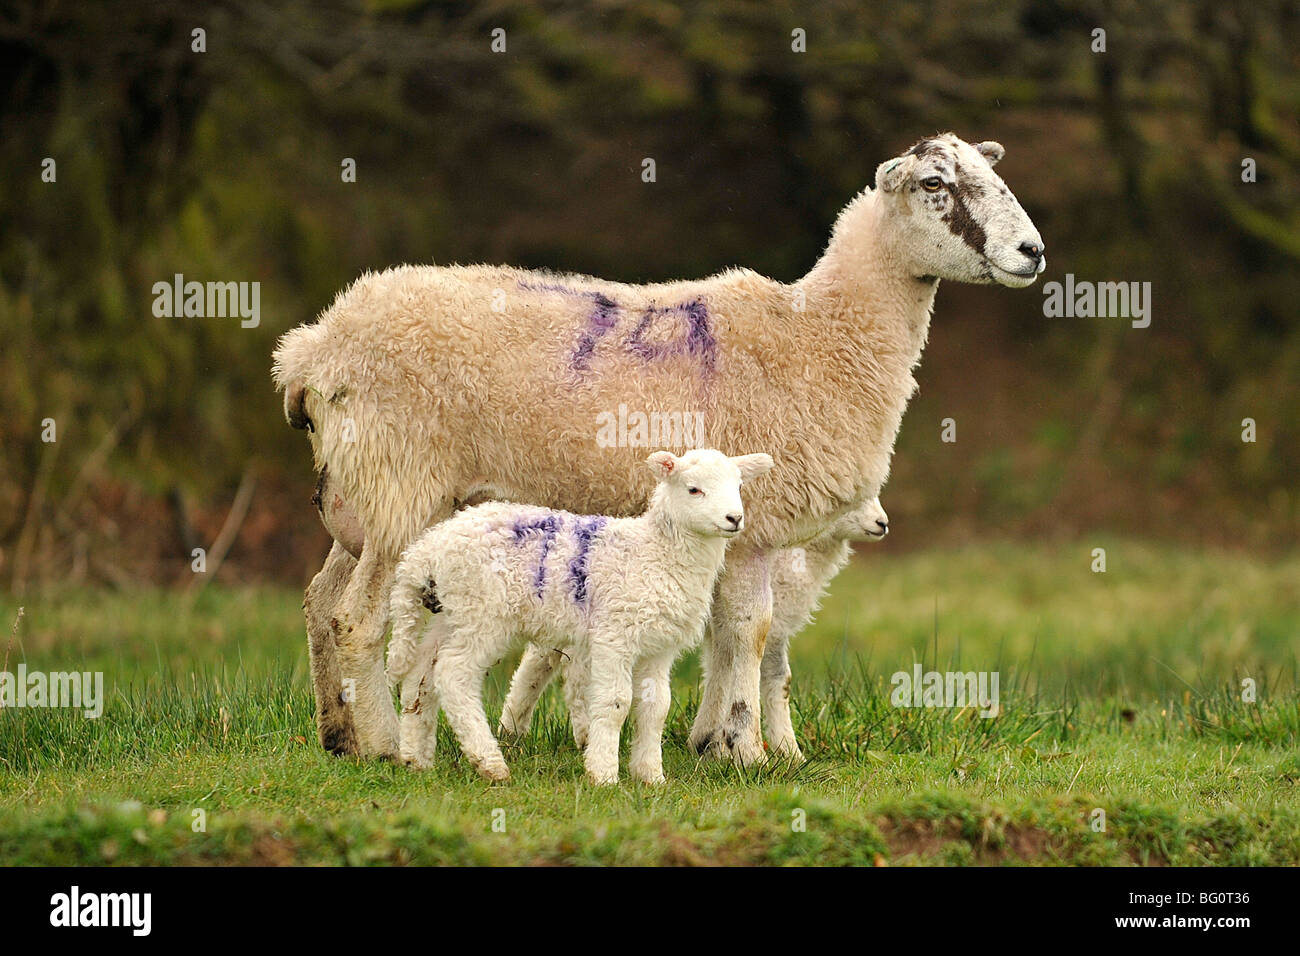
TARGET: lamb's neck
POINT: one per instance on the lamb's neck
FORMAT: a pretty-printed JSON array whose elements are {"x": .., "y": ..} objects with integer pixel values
[
  {"x": 680, "y": 546},
  {"x": 863, "y": 286}
]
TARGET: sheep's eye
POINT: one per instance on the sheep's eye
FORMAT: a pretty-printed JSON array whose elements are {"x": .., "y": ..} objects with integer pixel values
[
  {"x": 932, "y": 185},
  {"x": 695, "y": 491}
]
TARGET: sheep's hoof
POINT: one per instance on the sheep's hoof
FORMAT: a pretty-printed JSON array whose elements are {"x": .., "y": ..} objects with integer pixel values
[
  {"x": 339, "y": 740},
  {"x": 652, "y": 778},
  {"x": 787, "y": 750},
  {"x": 603, "y": 779}
]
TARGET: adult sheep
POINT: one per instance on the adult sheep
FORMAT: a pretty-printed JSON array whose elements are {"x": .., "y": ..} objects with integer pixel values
[{"x": 423, "y": 387}]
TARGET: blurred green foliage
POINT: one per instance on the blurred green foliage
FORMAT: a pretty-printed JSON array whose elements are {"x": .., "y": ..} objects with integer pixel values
[{"x": 225, "y": 165}]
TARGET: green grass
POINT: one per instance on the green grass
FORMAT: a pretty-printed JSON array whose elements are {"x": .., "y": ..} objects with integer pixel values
[{"x": 1120, "y": 692}]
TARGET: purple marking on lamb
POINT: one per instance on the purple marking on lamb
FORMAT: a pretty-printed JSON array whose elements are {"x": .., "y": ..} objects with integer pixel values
[
  {"x": 585, "y": 529},
  {"x": 698, "y": 340},
  {"x": 549, "y": 526}
]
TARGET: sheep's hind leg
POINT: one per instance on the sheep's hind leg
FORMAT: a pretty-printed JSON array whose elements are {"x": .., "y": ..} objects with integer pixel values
[
  {"x": 727, "y": 723},
  {"x": 321, "y": 604},
  {"x": 360, "y": 632},
  {"x": 418, "y": 725},
  {"x": 775, "y": 685},
  {"x": 463, "y": 660},
  {"x": 535, "y": 670}
]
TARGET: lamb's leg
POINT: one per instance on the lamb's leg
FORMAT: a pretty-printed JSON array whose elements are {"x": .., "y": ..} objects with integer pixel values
[
  {"x": 360, "y": 630},
  {"x": 727, "y": 723},
  {"x": 321, "y": 604},
  {"x": 463, "y": 660},
  {"x": 609, "y": 697},
  {"x": 535, "y": 670},
  {"x": 653, "y": 694},
  {"x": 419, "y": 720},
  {"x": 577, "y": 674},
  {"x": 775, "y": 683}
]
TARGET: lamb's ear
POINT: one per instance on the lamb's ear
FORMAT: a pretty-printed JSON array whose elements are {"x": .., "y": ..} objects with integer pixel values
[
  {"x": 752, "y": 466},
  {"x": 991, "y": 151},
  {"x": 662, "y": 464},
  {"x": 893, "y": 173}
]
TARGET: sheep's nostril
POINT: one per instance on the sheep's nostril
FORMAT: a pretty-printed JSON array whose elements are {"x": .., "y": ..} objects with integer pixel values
[
  {"x": 883, "y": 526},
  {"x": 1033, "y": 250},
  {"x": 735, "y": 520}
]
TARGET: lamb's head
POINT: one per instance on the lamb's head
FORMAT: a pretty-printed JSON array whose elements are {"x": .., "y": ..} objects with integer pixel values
[
  {"x": 700, "y": 491},
  {"x": 867, "y": 522},
  {"x": 956, "y": 219}
]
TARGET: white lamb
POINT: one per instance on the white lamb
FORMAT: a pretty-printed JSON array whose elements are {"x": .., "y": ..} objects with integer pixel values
[
  {"x": 624, "y": 596},
  {"x": 800, "y": 577}
]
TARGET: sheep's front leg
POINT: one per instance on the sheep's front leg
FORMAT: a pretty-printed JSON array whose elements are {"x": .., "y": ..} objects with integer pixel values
[
  {"x": 419, "y": 721},
  {"x": 359, "y": 631},
  {"x": 775, "y": 683},
  {"x": 321, "y": 604},
  {"x": 727, "y": 723},
  {"x": 653, "y": 690},
  {"x": 609, "y": 697},
  {"x": 535, "y": 670}
]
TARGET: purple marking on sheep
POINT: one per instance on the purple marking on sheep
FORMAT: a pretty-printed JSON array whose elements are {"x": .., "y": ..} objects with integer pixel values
[
  {"x": 602, "y": 319},
  {"x": 548, "y": 526},
  {"x": 585, "y": 529},
  {"x": 698, "y": 340}
]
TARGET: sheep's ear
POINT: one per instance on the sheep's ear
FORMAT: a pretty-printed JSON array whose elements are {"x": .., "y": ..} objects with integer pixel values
[
  {"x": 893, "y": 173},
  {"x": 662, "y": 464},
  {"x": 752, "y": 466},
  {"x": 991, "y": 151}
]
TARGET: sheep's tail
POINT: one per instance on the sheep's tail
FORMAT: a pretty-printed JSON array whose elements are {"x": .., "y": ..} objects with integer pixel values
[{"x": 413, "y": 591}]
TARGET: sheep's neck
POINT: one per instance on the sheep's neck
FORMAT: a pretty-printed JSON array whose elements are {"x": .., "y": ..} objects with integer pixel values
[
  {"x": 858, "y": 337},
  {"x": 863, "y": 287}
]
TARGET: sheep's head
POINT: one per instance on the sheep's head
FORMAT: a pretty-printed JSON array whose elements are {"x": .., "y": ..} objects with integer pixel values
[
  {"x": 701, "y": 489},
  {"x": 867, "y": 522},
  {"x": 957, "y": 218}
]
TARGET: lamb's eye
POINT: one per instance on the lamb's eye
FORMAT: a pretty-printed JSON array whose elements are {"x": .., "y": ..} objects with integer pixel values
[
  {"x": 695, "y": 491},
  {"x": 932, "y": 185}
]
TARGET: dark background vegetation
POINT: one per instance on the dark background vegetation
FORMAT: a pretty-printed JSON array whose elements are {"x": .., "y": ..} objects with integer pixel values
[{"x": 225, "y": 165}]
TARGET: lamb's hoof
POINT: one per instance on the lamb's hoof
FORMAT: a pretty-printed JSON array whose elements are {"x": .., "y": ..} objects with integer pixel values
[
  {"x": 417, "y": 761},
  {"x": 602, "y": 778},
  {"x": 494, "y": 769},
  {"x": 652, "y": 778},
  {"x": 510, "y": 732}
]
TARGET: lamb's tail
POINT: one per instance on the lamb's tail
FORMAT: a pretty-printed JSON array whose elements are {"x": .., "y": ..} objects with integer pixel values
[{"x": 413, "y": 591}]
